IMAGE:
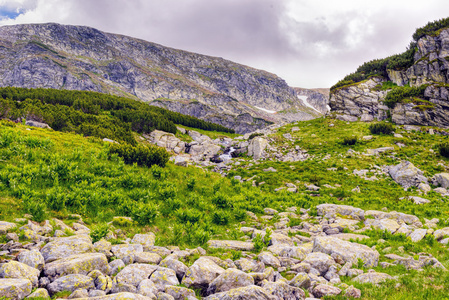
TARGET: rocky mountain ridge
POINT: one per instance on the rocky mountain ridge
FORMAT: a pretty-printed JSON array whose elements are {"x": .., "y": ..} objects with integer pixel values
[
  {"x": 210, "y": 88},
  {"x": 365, "y": 100}
]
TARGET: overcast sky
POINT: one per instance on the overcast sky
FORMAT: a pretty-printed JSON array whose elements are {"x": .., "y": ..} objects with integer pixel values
[{"x": 309, "y": 43}]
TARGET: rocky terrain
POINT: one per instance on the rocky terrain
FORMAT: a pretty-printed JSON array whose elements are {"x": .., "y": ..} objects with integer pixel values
[
  {"x": 315, "y": 254},
  {"x": 364, "y": 100},
  {"x": 210, "y": 88}
]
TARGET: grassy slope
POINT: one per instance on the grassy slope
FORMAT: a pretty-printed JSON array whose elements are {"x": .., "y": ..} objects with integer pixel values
[{"x": 41, "y": 166}]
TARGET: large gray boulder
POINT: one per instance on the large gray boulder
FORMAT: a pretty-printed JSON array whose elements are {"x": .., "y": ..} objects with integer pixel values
[
  {"x": 282, "y": 290},
  {"x": 244, "y": 293},
  {"x": 333, "y": 210},
  {"x": 283, "y": 250},
  {"x": 201, "y": 274},
  {"x": 180, "y": 293},
  {"x": 126, "y": 250},
  {"x": 174, "y": 264},
  {"x": 373, "y": 278},
  {"x": 228, "y": 280},
  {"x": 14, "y": 288},
  {"x": 18, "y": 270},
  {"x": 32, "y": 258},
  {"x": 71, "y": 283},
  {"x": 134, "y": 274},
  {"x": 407, "y": 175},
  {"x": 319, "y": 261},
  {"x": 67, "y": 246},
  {"x": 77, "y": 264},
  {"x": 6, "y": 226},
  {"x": 163, "y": 277},
  {"x": 347, "y": 251},
  {"x": 441, "y": 179},
  {"x": 233, "y": 245},
  {"x": 257, "y": 147},
  {"x": 146, "y": 240},
  {"x": 322, "y": 290}
]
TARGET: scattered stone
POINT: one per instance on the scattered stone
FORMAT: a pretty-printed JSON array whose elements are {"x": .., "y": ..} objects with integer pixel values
[
  {"x": 66, "y": 246},
  {"x": 407, "y": 175},
  {"x": 71, "y": 283},
  {"x": 373, "y": 278},
  {"x": 322, "y": 290},
  {"x": 228, "y": 280}
]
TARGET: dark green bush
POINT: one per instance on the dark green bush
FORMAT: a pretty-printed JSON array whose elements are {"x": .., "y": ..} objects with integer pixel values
[
  {"x": 144, "y": 214},
  {"x": 349, "y": 140},
  {"x": 398, "y": 94},
  {"x": 443, "y": 149},
  {"x": 220, "y": 217},
  {"x": 253, "y": 135},
  {"x": 142, "y": 155},
  {"x": 37, "y": 210},
  {"x": 381, "y": 128},
  {"x": 431, "y": 28},
  {"x": 221, "y": 201},
  {"x": 189, "y": 215}
]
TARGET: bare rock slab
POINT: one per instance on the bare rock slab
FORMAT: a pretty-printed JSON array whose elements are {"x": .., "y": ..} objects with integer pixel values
[
  {"x": 14, "y": 288},
  {"x": 67, "y": 246},
  {"x": 233, "y": 245},
  {"x": 77, "y": 264},
  {"x": 348, "y": 251}
]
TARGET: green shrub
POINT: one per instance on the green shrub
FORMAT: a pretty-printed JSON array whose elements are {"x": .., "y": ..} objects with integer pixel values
[
  {"x": 189, "y": 215},
  {"x": 258, "y": 243},
  {"x": 398, "y": 94},
  {"x": 37, "y": 210},
  {"x": 144, "y": 214},
  {"x": 349, "y": 140},
  {"x": 381, "y": 128},
  {"x": 99, "y": 232},
  {"x": 220, "y": 217},
  {"x": 169, "y": 206},
  {"x": 221, "y": 201},
  {"x": 431, "y": 28},
  {"x": 142, "y": 155},
  {"x": 253, "y": 135},
  {"x": 443, "y": 149},
  {"x": 191, "y": 184}
]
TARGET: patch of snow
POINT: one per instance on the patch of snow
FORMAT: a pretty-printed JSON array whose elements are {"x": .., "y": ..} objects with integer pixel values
[
  {"x": 266, "y": 110},
  {"x": 328, "y": 108},
  {"x": 304, "y": 100}
]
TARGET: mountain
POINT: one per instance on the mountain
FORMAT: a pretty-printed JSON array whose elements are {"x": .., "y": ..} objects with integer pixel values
[
  {"x": 211, "y": 88},
  {"x": 410, "y": 88},
  {"x": 317, "y": 98}
]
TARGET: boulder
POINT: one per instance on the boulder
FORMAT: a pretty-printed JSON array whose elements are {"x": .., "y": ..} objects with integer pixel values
[
  {"x": 249, "y": 265},
  {"x": 40, "y": 293},
  {"x": 282, "y": 290},
  {"x": 319, "y": 261},
  {"x": 32, "y": 258},
  {"x": 71, "y": 283},
  {"x": 441, "y": 233},
  {"x": 180, "y": 293},
  {"x": 407, "y": 175},
  {"x": 14, "y": 288},
  {"x": 177, "y": 266},
  {"x": 243, "y": 293},
  {"x": 147, "y": 258},
  {"x": 301, "y": 280},
  {"x": 146, "y": 240},
  {"x": 257, "y": 147},
  {"x": 383, "y": 224},
  {"x": 418, "y": 235},
  {"x": 228, "y": 280},
  {"x": 347, "y": 251},
  {"x": 121, "y": 296},
  {"x": 134, "y": 274},
  {"x": 163, "y": 277},
  {"x": 269, "y": 259},
  {"x": 126, "y": 250},
  {"x": 6, "y": 226},
  {"x": 373, "y": 278},
  {"x": 332, "y": 210},
  {"x": 18, "y": 270},
  {"x": 147, "y": 288},
  {"x": 441, "y": 179},
  {"x": 66, "y": 246},
  {"x": 233, "y": 245},
  {"x": 77, "y": 264},
  {"x": 201, "y": 274},
  {"x": 322, "y": 290},
  {"x": 283, "y": 250}
]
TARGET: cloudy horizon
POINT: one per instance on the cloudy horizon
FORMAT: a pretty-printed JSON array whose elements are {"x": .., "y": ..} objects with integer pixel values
[{"x": 309, "y": 43}]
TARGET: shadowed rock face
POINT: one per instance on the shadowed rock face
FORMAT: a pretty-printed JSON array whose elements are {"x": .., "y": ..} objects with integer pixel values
[
  {"x": 83, "y": 58},
  {"x": 431, "y": 66}
]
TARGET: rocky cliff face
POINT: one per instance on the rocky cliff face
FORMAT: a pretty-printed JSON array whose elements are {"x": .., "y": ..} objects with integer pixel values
[
  {"x": 82, "y": 58},
  {"x": 317, "y": 98},
  {"x": 364, "y": 100}
]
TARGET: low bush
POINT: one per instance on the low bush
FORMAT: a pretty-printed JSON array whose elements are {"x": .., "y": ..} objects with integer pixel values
[
  {"x": 98, "y": 232},
  {"x": 381, "y": 128},
  {"x": 443, "y": 149},
  {"x": 142, "y": 155},
  {"x": 349, "y": 140},
  {"x": 220, "y": 217},
  {"x": 144, "y": 214},
  {"x": 398, "y": 94}
]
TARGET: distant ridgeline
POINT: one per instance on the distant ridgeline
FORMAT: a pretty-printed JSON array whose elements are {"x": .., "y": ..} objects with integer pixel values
[
  {"x": 93, "y": 114},
  {"x": 411, "y": 88}
]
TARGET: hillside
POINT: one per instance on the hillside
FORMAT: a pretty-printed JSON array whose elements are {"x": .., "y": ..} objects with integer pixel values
[
  {"x": 408, "y": 88},
  {"x": 320, "y": 204},
  {"x": 210, "y": 88}
]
